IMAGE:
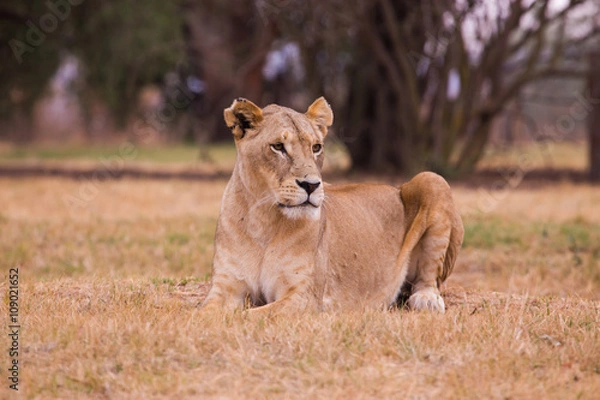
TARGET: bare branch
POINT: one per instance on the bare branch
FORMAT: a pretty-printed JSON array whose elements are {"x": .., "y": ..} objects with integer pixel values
[
  {"x": 594, "y": 33},
  {"x": 530, "y": 33},
  {"x": 518, "y": 83}
]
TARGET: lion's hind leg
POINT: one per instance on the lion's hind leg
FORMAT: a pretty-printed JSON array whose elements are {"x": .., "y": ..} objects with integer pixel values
[
  {"x": 425, "y": 270},
  {"x": 432, "y": 241}
]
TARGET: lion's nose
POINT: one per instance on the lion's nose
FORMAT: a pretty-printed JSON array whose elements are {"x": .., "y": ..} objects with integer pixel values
[{"x": 308, "y": 185}]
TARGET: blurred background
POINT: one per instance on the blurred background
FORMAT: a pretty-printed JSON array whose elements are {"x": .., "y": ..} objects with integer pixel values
[{"x": 436, "y": 85}]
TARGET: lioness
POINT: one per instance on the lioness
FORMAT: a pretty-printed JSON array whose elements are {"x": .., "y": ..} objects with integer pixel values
[{"x": 287, "y": 241}]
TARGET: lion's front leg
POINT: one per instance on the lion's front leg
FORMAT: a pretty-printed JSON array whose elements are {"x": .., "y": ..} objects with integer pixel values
[
  {"x": 226, "y": 293},
  {"x": 294, "y": 301},
  {"x": 288, "y": 287},
  {"x": 290, "y": 304}
]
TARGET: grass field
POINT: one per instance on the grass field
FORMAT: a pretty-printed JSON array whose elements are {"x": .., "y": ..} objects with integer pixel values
[
  {"x": 209, "y": 158},
  {"x": 223, "y": 153},
  {"x": 111, "y": 273}
]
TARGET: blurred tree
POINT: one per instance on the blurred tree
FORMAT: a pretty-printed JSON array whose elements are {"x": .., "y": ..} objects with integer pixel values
[
  {"x": 121, "y": 45},
  {"x": 414, "y": 84},
  {"x": 29, "y": 58},
  {"x": 425, "y": 80},
  {"x": 227, "y": 42}
]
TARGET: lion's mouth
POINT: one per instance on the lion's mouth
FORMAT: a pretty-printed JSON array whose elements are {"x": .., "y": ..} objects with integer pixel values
[{"x": 307, "y": 203}]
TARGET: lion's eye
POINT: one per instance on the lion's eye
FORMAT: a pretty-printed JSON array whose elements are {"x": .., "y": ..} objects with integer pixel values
[
  {"x": 317, "y": 148},
  {"x": 278, "y": 147}
]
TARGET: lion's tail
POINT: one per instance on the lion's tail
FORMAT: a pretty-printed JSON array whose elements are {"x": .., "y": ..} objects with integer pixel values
[
  {"x": 456, "y": 239},
  {"x": 413, "y": 235}
]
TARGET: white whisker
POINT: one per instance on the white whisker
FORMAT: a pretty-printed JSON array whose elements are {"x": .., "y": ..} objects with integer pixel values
[
  {"x": 264, "y": 200},
  {"x": 325, "y": 201}
]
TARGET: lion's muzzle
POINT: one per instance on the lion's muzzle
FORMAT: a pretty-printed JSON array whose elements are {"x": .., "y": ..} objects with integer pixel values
[{"x": 301, "y": 198}]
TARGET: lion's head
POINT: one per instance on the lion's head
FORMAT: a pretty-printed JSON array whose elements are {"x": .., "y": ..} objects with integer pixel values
[{"x": 280, "y": 154}]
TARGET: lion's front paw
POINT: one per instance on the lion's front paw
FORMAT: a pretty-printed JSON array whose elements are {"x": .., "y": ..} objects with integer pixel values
[{"x": 427, "y": 299}]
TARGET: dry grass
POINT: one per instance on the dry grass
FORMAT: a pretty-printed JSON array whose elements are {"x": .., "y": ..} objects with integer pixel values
[
  {"x": 110, "y": 291},
  {"x": 538, "y": 155}
]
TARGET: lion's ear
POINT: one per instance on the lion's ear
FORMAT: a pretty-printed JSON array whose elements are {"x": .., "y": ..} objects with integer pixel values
[
  {"x": 320, "y": 112},
  {"x": 241, "y": 116}
]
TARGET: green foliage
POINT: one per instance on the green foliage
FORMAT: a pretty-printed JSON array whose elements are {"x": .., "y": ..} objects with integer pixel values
[
  {"x": 29, "y": 56},
  {"x": 492, "y": 232},
  {"x": 123, "y": 45},
  {"x": 165, "y": 154},
  {"x": 577, "y": 233},
  {"x": 220, "y": 155},
  {"x": 132, "y": 45},
  {"x": 578, "y": 238},
  {"x": 178, "y": 238}
]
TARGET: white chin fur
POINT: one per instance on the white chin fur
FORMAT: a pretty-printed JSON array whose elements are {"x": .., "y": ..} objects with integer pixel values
[{"x": 308, "y": 212}]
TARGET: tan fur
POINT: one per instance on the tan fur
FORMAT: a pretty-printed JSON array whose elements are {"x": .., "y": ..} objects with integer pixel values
[{"x": 282, "y": 249}]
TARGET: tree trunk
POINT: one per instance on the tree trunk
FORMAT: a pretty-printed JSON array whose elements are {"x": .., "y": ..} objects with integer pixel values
[
  {"x": 372, "y": 133},
  {"x": 375, "y": 130},
  {"x": 227, "y": 43},
  {"x": 475, "y": 146},
  {"x": 594, "y": 118}
]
